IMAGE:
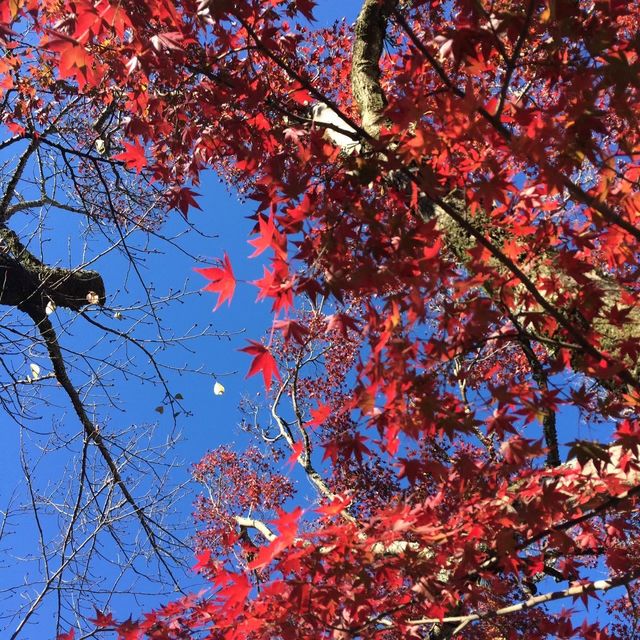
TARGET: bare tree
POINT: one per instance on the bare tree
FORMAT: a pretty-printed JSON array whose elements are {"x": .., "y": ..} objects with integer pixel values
[{"x": 96, "y": 493}]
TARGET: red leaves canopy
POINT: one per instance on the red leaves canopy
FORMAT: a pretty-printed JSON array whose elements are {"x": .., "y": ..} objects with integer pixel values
[{"x": 470, "y": 272}]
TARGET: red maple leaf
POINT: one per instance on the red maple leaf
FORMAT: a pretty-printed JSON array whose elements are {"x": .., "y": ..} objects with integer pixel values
[
  {"x": 292, "y": 329},
  {"x": 287, "y": 525},
  {"x": 518, "y": 449},
  {"x": 87, "y": 23},
  {"x": 103, "y": 620},
  {"x": 129, "y": 630},
  {"x": 75, "y": 60},
  {"x": 262, "y": 361},
  {"x": 182, "y": 198},
  {"x": 10, "y": 10},
  {"x": 203, "y": 560},
  {"x": 168, "y": 40},
  {"x": 133, "y": 156},
  {"x": 277, "y": 284},
  {"x": 235, "y": 589},
  {"x": 336, "y": 506},
  {"x": 223, "y": 282},
  {"x": 341, "y": 322},
  {"x": 319, "y": 415},
  {"x": 268, "y": 236},
  {"x": 411, "y": 469},
  {"x": 114, "y": 16},
  {"x": 297, "y": 452}
]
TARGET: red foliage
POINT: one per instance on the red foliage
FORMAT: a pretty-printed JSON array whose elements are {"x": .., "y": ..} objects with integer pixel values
[
  {"x": 439, "y": 340},
  {"x": 222, "y": 281},
  {"x": 235, "y": 484},
  {"x": 263, "y": 361}
]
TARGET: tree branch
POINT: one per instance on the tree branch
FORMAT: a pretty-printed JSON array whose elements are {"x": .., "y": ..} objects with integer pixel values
[
  {"x": 42, "y": 322},
  {"x": 26, "y": 281},
  {"x": 258, "y": 525},
  {"x": 571, "y": 592}
]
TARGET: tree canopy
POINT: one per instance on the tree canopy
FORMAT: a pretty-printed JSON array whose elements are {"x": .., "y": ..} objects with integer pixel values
[{"x": 446, "y": 208}]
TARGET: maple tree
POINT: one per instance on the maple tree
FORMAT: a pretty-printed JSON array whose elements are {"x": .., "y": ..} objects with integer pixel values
[{"x": 443, "y": 290}]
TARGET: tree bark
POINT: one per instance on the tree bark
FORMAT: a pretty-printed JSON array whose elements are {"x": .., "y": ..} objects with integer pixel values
[{"x": 370, "y": 29}]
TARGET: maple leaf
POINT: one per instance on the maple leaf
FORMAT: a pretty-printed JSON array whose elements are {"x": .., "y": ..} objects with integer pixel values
[
  {"x": 412, "y": 469},
  {"x": 287, "y": 523},
  {"x": 114, "y": 16},
  {"x": 11, "y": 10},
  {"x": 15, "y": 128},
  {"x": 301, "y": 95},
  {"x": 354, "y": 445},
  {"x": 267, "y": 237},
  {"x": 75, "y": 60},
  {"x": 103, "y": 620},
  {"x": 70, "y": 635},
  {"x": 518, "y": 449},
  {"x": 87, "y": 23},
  {"x": 263, "y": 362},
  {"x": 132, "y": 64},
  {"x": 277, "y": 284},
  {"x": 332, "y": 450},
  {"x": 628, "y": 434},
  {"x": 297, "y": 449},
  {"x": 129, "y": 630},
  {"x": 235, "y": 588},
  {"x": 203, "y": 561},
  {"x": 341, "y": 323},
  {"x": 319, "y": 415},
  {"x": 260, "y": 122},
  {"x": 168, "y": 40},
  {"x": 585, "y": 451},
  {"x": 183, "y": 198},
  {"x": 222, "y": 281},
  {"x": 336, "y": 506},
  {"x": 133, "y": 156},
  {"x": 266, "y": 284},
  {"x": 305, "y": 7},
  {"x": 292, "y": 329}
]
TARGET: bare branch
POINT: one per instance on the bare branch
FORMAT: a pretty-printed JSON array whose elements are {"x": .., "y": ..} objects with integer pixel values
[{"x": 571, "y": 592}]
